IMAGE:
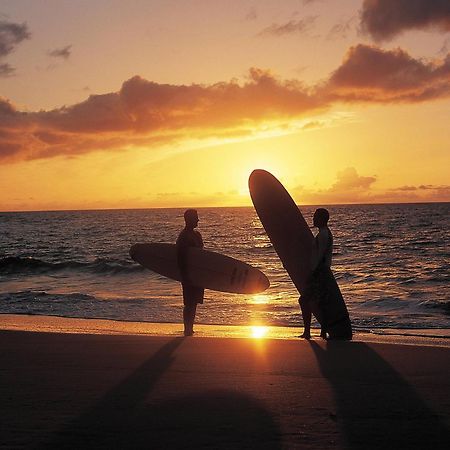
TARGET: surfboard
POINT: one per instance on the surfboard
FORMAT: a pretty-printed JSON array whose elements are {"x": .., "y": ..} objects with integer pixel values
[
  {"x": 293, "y": 241},
  {"x": 206, "y": 269}
]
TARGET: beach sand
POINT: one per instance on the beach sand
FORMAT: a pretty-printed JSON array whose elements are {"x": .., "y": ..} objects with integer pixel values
[{"x": 83, "y": 390}]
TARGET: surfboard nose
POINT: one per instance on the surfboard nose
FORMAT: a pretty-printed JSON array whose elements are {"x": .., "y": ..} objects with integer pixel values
[
  {"x": 265, "y": 282},
  {"x": 254, "y": 176},
  {"x": 134, "y": 250}
]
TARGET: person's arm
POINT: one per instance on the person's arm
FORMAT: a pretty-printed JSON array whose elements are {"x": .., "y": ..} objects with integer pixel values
[
  {"x": 319, "y": 249},
  {"x": 200, "y": 239}
]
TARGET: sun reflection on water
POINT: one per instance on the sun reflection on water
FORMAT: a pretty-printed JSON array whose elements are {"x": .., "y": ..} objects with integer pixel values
[{"x": 260, "y": 299}]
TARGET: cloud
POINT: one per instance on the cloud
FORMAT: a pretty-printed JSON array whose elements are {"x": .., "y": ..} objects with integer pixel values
[
  {"x": 144, "y": 113},
  {"x": 350, "y": 187},
  {"x": 63, "y": 52},
  {"x": 384, "y": 19},
  {"x": 6, "y": 70},
  {"x": 342, "y": 29},
  {"x": 148, "y": 114},
  {"x": 349, "y": 180},
  {"x": 420, "y": 193},
  {"x": 445, "y": 47},
  {"x": 11, "y": 35},
  {"x": 445, "y": 189},
  {"x": 314, "y": 124},
  {"x": 369, "y": 73},
  {"x": 302, "y": 27}
]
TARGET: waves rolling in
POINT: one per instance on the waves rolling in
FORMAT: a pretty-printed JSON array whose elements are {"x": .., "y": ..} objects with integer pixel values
[{"x": 391, "y": 262}]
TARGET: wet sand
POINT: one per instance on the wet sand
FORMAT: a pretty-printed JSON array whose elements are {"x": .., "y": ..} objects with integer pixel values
[{"x": 75, "y": 390}]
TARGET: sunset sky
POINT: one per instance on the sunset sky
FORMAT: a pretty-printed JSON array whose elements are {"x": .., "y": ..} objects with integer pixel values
[{"x": 141, "y": 103}]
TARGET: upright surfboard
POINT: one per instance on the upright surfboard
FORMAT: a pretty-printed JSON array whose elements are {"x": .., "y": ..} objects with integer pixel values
[
  {"x": 206, "y": 269},
  {"x": 293, "y": 241}
]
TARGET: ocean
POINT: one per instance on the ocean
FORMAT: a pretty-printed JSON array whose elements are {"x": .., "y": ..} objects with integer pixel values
[{"x": 391, "y": 262}]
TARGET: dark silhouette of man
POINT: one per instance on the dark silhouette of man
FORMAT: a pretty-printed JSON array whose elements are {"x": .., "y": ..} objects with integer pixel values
[
  {"x": 320, "y": 262},
  {"x": 192, "y": 295}
]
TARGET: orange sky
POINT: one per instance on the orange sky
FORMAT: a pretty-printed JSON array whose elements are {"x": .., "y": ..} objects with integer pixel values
[{"x": 168, "y": 103}]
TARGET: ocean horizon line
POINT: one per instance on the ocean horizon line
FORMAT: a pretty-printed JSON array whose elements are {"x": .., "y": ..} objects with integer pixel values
[{"x": 214, "y": 207}]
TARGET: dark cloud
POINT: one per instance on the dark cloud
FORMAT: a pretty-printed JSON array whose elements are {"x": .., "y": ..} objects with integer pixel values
[
  {"x": 384, "y": 19},
  {"x": 342, "y": 29},
  {"x": 63, "y": 52},
  {"x": 6, "y": 70},
  {"x": 302, "y": 27},
  {"x": 371, "y": 74},
  {"x": 11, "y": 35}
]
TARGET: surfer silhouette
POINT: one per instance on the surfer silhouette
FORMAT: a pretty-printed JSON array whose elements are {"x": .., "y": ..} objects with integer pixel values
[
  {"x": 192, "y": 295},
  {"x": 320, "y": 263}
]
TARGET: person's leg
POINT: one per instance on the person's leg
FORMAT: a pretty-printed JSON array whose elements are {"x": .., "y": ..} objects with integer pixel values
[
  {"x": 322, "y": 294},
  {"x": 189, "y": 317},
  {"x": 192, "y": 311},
  {"x": 190, "y": 307},
  {"x": 306, "y": 314},
  {"x": 187, "y": 313},
  {"x": 186, "y": 318},
  {"x": 191, "y": 296}
]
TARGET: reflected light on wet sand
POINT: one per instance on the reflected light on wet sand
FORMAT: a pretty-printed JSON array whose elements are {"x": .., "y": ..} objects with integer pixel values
[{"x": 258, "y": 332}]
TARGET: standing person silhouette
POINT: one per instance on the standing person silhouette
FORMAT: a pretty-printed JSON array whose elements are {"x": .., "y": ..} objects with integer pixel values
[
  {"x": 192, "y": 295},
  {"x": 320, "y": 263}
]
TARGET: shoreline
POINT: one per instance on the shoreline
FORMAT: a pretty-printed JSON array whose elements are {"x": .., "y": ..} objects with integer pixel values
[{"x": 65, "y": 325}]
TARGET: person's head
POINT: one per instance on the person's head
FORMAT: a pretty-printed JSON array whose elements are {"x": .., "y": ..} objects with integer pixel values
[
  {"x": 321, "y": 217},
  {"x": 191, "y": 218}
]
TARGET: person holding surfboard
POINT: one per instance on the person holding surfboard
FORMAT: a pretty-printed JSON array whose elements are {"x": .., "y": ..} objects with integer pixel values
[
  {"x": 192, "y": 295},
  {"x": 320, "y": 263},
  {"x": 293, "y": 241}
]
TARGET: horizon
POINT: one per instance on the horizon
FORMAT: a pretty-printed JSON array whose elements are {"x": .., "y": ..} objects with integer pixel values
[
  {"x": 342, "y": 107},
  {"x": 222, "y": 207}
]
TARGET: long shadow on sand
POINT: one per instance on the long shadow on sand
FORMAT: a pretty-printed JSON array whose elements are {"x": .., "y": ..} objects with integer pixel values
[
  {"x": 126, "y": 417},
  {"x": 376, "y": 407}
]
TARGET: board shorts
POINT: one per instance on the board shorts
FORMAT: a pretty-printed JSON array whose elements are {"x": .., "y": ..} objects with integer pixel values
[
  {"x": 316, "y": 293},
  {"x": 192, "y": 294}
]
